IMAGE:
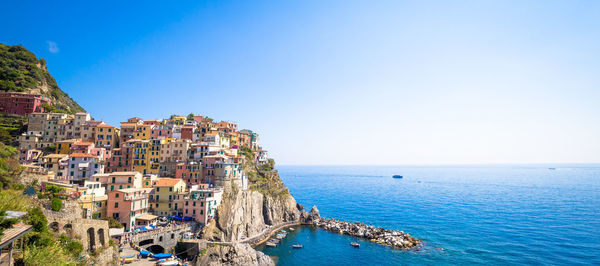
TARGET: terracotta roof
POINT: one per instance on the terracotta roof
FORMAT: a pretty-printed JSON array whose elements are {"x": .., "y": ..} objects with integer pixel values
[
  {"x": 128, "y": 124},
  {"x": 82, "y": 155},
  {"x": 167, "y": 182},
  {"x": 104, "y": 125},
  {"x": 14, "y": 233}
]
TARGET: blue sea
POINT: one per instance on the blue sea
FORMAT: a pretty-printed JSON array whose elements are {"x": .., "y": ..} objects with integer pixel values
[{"x": 499, "y": 215}]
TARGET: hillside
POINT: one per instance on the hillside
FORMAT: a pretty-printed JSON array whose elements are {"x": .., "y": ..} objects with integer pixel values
[{"x": 22, "y": 71}]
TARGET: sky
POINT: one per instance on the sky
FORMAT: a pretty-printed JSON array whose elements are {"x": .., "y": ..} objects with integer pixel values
[{"x": 339, "y": 82}]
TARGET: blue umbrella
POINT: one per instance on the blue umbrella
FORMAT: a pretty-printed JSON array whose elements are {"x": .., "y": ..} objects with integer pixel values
[{"x": 144, "y": 253}]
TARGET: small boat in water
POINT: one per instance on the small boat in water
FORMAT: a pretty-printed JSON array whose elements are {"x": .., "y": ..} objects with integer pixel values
[
  {"x": 291, "y": 229},
  {"x": 551, "y": 168},
  {"x": 397, "y": 176},
  {"x": 281, "y": 236},
  {"x": 271, "y": 244},
  {"x": 297, "y": 246},
  {"x": 354, "y": 244}
]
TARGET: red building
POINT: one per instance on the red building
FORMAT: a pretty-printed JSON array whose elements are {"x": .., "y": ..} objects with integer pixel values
[
  {"x": 187, "y": 132},
  {"x": 22, "y": 103}
]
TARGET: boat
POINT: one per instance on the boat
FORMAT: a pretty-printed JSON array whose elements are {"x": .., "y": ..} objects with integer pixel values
[
  {"x": 551, "y": 168},
  {"x": 297, "y": 246},
  {"x": 274, "y": 240},
  {"x": 281, "y": 236},
  {"x": 397, "y": 176},
  {"x": 271, "y": 244},
  {"x": 128, "y": 260},
  {"x": 354, "y": 244},
  {"x": 291, "y": 229}
]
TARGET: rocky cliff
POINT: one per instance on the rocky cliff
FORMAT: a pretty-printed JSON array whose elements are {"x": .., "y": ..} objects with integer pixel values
[
  {"x": 249, "y": 213},
  {"x": 237, "y": 254}
]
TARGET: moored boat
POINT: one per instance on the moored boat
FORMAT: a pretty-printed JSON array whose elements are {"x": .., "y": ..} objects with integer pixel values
[
  {"x": 397, "y": 176},
  {"x": 354, "y": 244},
  {"x": 270, "y": 244},
  {"x": 297, "y": 246}
]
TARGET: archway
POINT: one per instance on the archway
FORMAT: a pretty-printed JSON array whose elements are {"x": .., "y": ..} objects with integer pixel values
[
  {"x": 91, "y": 238},
  {"x": 68, "y": 229},
  {"x": 54, "y": 226},
  {"x": 146, "y": 242},
  {"x": 156, "y": 249},
  {"x": 101, "y": 236}
]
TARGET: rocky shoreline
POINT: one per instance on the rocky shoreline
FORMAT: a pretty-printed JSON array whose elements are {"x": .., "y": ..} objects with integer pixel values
[{"x": 393, "y": 238}]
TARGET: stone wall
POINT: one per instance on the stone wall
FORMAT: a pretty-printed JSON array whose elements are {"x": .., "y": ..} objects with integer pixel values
[{"x": 92, "y": 233}]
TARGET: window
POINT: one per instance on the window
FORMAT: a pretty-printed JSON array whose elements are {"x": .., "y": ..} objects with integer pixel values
[
  {"x": 116, "y": 205},
  {"x": 201, "y": 211},
  {"x": 116, "y": 195}
]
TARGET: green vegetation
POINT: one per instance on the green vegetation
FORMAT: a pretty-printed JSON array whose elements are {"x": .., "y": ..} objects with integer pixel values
[
  {"x": 190, "y": 116},
  {"x": 9, "y": 166},
  {"x": 39, "y": 245},
  {"x": 10, "y": 127},
  {"x": 56, "y": 204},
  {"x": 22, "y": 71},
  {"x": 5, "y": 223},
  {"x": 113, "y": 223},
  {"x": 262, "y": 178}
]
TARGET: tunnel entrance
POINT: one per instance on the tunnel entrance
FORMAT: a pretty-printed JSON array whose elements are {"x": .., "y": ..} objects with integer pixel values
[
  {"x": 146, "y": 242},
  {"x": 156, "y": 249}
]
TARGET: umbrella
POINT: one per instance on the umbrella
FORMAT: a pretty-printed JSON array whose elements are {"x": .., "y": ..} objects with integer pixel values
[{"x": 144, "y": 253}]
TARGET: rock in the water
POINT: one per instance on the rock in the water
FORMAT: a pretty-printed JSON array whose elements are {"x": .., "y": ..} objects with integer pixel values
[
  {"x": 236, "y": 254},
  {"x": 299, "y": 206}
]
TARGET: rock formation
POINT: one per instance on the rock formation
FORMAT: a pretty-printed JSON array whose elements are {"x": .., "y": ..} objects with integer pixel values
[{"x": 236, "y": 254}]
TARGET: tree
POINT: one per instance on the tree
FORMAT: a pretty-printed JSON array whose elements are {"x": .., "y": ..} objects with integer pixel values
[
  {"x": 190, "y": 116},
  {"x": 36, "y": 217},
  {"x": 5, "y": 223},
  {"x": 54, "y": 189},
  {"x": 112, "y": 223},
  {"x": 56, "y": 204}
]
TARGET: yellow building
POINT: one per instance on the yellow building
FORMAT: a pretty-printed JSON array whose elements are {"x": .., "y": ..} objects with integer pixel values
[
  {"x": 143, "y": 132},
  {"x": 154, "y": 155},
  {"x": 141, "y": 158},
  {"x": 64, "y": 146},
  {"x": 178, "y": 120},
  {"x": 166, "y": 196}
]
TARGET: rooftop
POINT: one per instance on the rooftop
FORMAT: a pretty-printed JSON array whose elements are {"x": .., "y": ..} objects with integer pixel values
[
  {"x": 82, "y": 155},
  {"x": 167, "y": 182},
  {"x": 14, "y": 233}
]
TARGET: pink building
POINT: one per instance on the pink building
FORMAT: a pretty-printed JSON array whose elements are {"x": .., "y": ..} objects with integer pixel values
[
  {"x": 201, "y": 203},
  {"x": 22, "y": 103},
  {"x": 190, "y": 172},
  {"x": 128, "y": 205}
]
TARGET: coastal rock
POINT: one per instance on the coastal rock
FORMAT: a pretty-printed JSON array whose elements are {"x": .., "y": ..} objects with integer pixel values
[
  {"x": 299, "y": 206},
  {"x": 244, "y": 214},
  {"x": 312, "y": 217},
  {"x": 396, "y": 239},
  {"x": 236, "y": 254}
]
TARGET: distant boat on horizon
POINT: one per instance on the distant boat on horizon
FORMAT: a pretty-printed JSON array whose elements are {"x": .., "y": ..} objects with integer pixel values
[
  {"x": 397, "y": 176},
  {"x": 551, "y": 168}
]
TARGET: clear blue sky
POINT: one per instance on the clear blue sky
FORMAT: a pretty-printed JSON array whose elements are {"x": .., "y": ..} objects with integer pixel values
[{"x": 339, "y": 82}]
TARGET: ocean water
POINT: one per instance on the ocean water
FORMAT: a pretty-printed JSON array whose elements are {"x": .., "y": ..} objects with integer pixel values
[{"x": 494, "y": 215}]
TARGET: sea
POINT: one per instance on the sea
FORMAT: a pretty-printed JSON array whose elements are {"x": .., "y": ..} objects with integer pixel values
[{"x": 492, "y": 214}]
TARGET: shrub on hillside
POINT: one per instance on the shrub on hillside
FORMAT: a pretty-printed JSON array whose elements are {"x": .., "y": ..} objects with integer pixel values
[{"x": 56, "y": 204}]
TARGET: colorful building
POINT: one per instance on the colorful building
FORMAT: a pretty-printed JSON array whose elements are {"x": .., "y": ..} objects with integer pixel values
[
  {"x": 126, "y": 205},
  {"x": 165, "y": 195},
  {"x": 23, "y": 103}
]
